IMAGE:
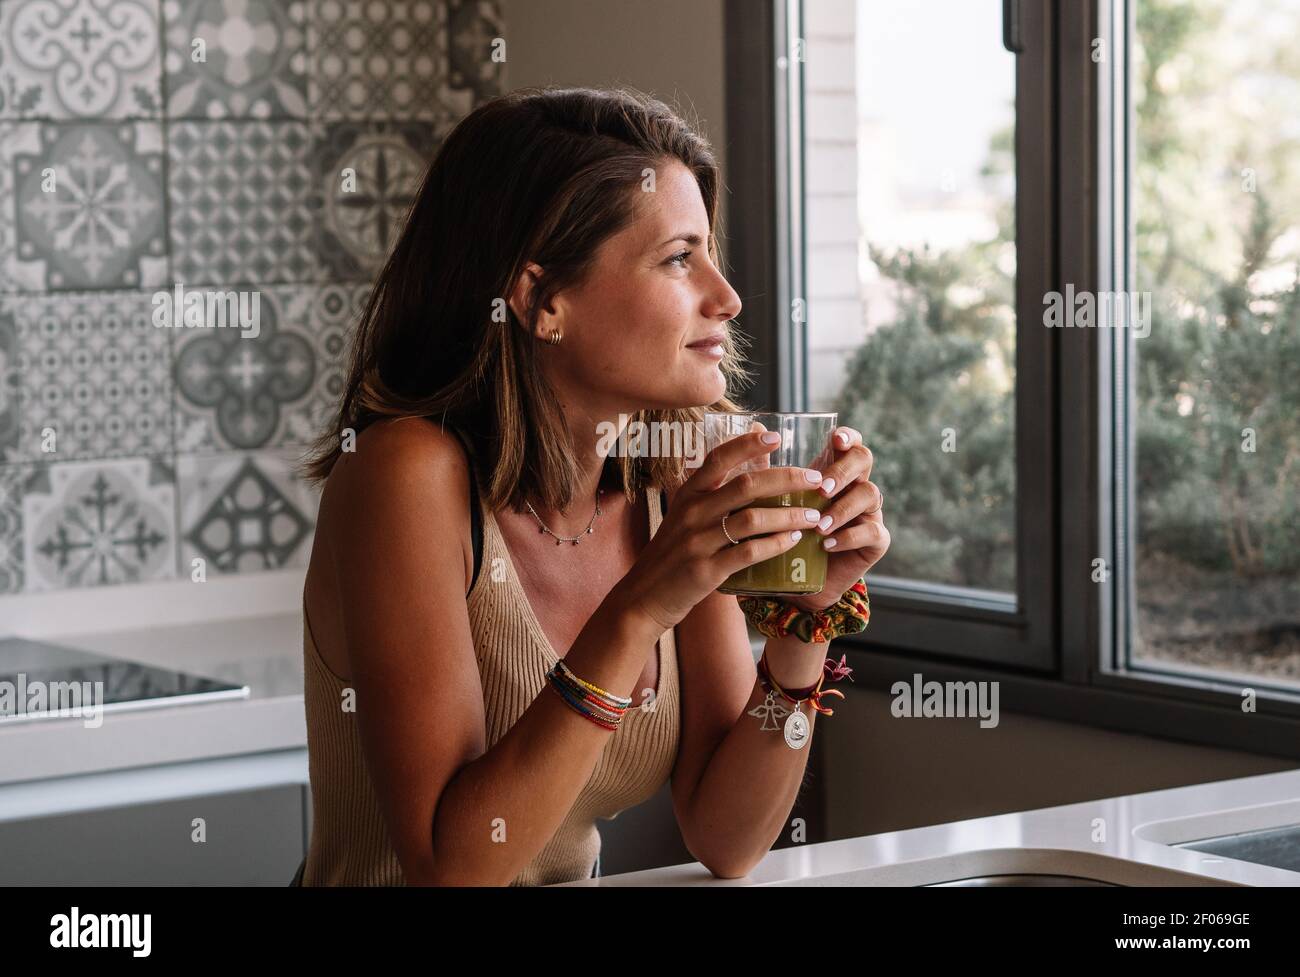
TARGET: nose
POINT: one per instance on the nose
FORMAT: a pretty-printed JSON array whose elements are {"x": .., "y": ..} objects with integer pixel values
[{"x": 726, "y": 303}]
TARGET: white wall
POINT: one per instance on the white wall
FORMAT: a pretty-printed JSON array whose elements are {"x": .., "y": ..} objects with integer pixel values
[{"x": 672, "y": 49}]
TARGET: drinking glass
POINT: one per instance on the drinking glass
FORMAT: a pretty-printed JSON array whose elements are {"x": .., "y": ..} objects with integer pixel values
[{"x": 805, "y": 443}]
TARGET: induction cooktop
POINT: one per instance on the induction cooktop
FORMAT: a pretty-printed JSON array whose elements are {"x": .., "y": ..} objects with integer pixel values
[{"x": 36, "y": 676}]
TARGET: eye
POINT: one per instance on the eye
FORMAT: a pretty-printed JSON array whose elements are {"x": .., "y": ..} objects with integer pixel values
[{"x": 679, "y": 259}]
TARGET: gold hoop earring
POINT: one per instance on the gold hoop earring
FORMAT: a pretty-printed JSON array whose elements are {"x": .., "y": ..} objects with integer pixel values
[{"x": 555, "y": 337}]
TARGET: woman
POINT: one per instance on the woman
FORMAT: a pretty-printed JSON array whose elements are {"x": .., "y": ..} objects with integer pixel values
[{"x": 557, "y": 273}]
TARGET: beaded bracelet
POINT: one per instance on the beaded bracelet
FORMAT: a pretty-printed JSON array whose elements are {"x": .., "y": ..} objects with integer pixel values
[
  {"x": 606, "y": 719},
  {"x": 779, "y": 619},
  {"x": 590, "y": 701}
]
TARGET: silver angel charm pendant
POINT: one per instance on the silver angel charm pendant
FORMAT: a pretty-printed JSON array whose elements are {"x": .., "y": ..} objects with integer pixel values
[
  {"x": 769, "y": 710},
  {"x": 795, "y": 729}
]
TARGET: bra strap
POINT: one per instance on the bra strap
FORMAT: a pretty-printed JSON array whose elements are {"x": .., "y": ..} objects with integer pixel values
[{"x": 475, "y": 515}]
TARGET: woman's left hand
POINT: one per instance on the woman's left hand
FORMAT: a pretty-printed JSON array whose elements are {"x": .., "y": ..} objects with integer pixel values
[{"x": 857, "y": 525}]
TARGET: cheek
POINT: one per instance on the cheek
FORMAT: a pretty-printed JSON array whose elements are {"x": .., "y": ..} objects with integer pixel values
[
  {"x": 645, "y": 324},
  {"x": 657, "y": 326}
]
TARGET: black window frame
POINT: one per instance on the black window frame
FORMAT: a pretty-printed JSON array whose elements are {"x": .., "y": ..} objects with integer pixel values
[{"x": 1057, "y": 654}]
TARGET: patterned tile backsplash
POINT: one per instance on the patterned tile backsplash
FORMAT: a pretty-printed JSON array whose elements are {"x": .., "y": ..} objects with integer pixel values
[
  {"x": 94, "y": 370},
  {"x": 243, "y": 204},
  {"x": 258, "y": 154},
  {"x": 80, "y": 59},
  {"x": 86, "y": 205},
  {"x": 256, "y": 59}
]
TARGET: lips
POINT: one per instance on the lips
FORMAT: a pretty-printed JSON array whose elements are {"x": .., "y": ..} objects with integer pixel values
[{"x": 708, "y": 342}]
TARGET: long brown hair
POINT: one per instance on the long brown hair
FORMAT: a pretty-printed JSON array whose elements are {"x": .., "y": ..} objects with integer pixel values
[{"x": 543, "y": 175}]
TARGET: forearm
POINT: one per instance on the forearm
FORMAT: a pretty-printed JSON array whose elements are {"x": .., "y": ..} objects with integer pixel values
[
  {"x": 749, "y": 787},
  {"x": 500, "y": 810}
]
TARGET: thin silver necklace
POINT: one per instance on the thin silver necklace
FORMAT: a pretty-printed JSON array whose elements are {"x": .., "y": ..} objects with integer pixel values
[{"x": 568, "y": 539}]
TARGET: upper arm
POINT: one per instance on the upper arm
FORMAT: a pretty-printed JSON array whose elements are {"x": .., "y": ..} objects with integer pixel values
[{"x": 402, "y": 511}]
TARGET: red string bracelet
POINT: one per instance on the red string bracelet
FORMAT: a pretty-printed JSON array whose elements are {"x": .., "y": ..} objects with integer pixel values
[{"x": 812, "y": 693}]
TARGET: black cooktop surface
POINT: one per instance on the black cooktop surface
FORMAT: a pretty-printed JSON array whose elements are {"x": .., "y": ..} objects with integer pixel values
[{"x": 30, "y": 669}]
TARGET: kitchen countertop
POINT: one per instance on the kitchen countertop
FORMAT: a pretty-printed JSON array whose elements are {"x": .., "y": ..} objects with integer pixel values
[
  {"x": 1138, "y": 832},
  {"x": 264, "y": 653}
]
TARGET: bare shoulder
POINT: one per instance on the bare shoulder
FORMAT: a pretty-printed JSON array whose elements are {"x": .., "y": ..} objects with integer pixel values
[
  {"x": 408, "y": 472},
  {"x": 399, "y": 448}
]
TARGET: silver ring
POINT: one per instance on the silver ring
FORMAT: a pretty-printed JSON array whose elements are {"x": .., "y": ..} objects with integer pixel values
[{"x": 733, "y": 542}]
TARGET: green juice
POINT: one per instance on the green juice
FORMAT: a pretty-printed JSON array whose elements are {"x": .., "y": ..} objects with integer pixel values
[{"x": 800, "y": 569}]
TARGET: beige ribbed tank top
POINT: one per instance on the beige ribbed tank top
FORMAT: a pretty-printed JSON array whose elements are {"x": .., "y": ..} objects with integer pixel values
[{"x": 349, "y": 838}]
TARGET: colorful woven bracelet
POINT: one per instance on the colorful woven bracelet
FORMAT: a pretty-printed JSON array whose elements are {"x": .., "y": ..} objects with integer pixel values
[
  {"x": 594, "y": 698},
  {"x": 780, "y": 619},
  {"x": 602, "y": 708},
  {"x": 614, "y": 700},
  {"x": 580, "y": 708},
  {"x": 583, "y": 707},
  {"x": 593, "y": 702}
]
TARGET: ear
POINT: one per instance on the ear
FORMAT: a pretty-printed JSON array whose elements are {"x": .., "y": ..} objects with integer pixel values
[{"x": 547, "y": 316}]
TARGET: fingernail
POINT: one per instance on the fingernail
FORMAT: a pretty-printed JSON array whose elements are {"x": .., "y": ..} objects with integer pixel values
[
  {"x": 828, "y": 486},
  {"x": 812, "y": 475},
  {"x": 828, "y": 543},
  {"x": 825, "y": 524},
  {"x": 844, "y": 438},
  {"x": 771, "y": 437},
  {"x": 811, "y": 514},
  {"x": 796, "y": 536}
]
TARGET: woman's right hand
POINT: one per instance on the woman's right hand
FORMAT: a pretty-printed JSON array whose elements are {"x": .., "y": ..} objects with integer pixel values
[{"x": 689, "y": 556}]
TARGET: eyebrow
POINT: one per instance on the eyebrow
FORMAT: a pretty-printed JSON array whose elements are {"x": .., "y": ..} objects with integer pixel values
[{"x": 694, "y": 240}]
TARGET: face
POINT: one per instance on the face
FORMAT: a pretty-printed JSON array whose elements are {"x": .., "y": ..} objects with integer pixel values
[{"x": 636, "y": 334}]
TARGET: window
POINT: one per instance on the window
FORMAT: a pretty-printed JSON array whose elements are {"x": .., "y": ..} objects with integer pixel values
[
  {"x": 923, "y": 325},
  {"x": 1208, "y": 403},
  {"x": 1067, "y": 236},
  {"x": 911, "y": 273}
]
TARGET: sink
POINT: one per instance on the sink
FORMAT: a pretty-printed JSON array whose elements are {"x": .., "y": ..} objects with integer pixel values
[
  {"x": 1008, "y": 867},
  {"x": 1020, "y": 880},
  {"x": 1276, "y": 847},
  {"x": 1263, "y": 834}
]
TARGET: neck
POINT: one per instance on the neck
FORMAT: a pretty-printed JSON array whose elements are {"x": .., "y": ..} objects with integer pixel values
[{"x": 595, "y": 435}]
